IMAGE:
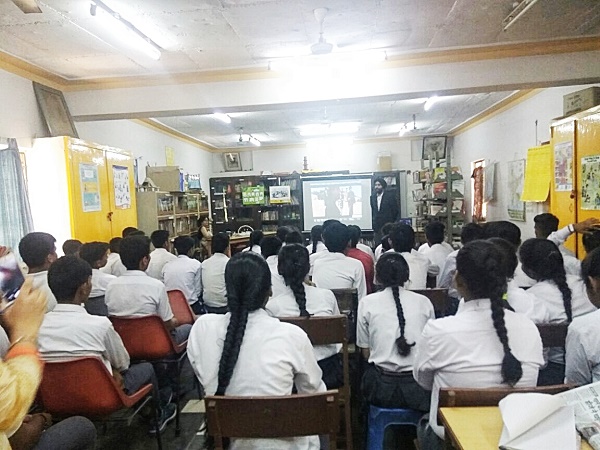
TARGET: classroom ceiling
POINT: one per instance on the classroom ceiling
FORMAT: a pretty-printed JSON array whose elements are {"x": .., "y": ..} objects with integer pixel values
[{"x": 228, "y": 35}]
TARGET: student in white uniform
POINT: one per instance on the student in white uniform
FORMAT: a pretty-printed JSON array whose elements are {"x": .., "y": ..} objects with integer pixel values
[
  {"x": 185, "y": 274},
  {"x": 436, "y": 249},
  {"x": 364, "y": 248},
  {"x": 304, "y": 300},
  {"x": 402, "y": 237},
  {"x": 38, "y": 250},
  {"x": 114, "y": 266},
  {"x": 294, "y": 237},
  {"x": 390, "y": 323},
  {"x": 96, "y": 255},
  {"x": 316, "y": 255},
  {"x": 246, "y": 352},
  {"x": 254, "y": 242},
  {"x": 316, "y": 240},
  {"x": 270, "y": 247},
  {"x": 161, "y": 254},
  {"x": 213, "y": 275},
  {"x": 563, "y": 296},
  {"x": 483, "y": 345},
  {"x": 384, "y": 245}
]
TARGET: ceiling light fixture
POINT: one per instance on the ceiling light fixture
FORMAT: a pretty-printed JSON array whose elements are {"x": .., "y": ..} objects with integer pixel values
[
  {"x": 254, "y": 141},
  {"x": 430, "y": 102},
  {"x": 403, "y": 130},
  {"x": 222, "y": 117},
  {"x": 517, "y": 12},
  {"x": 320, "y": 129},
  {"x": 125, "y": 30}
]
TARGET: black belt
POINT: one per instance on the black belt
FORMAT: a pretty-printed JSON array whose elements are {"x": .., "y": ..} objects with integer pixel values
[{"x": 391, "y": 373}]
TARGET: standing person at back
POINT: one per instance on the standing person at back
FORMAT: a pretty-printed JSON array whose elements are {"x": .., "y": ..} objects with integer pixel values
[
  {"x": 185, "y": 273},
  {"x": 334, "y": 270},
  {"x": 366, "y": 260},
  {"x": 384, "y": 206},
  {"x": 436, "y": 249},
  {"x": 213, "y": 275},
  {"x": 114, "y": 266},
  {"x": 38, "y": 251},
  {"x": 403, "y": 242},
  {"x": 161, "y": 254}
]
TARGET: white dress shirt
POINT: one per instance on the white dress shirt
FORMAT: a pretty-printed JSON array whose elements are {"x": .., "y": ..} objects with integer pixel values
[
  {"x": 419, "y": 266},
  {"x": 524, "y": 302},
  {"x": 337, "y": 271},
  {"x": 378, "y": 327},
  {"x": 365, "y": 248},
  {"x": 213, "y": 280},
  {"x": 100, "y": 281},
  {"x": 184, "y": 274},
  {"x": 314, "y": 257},
  {"x": 521, "y": 278},
  {"x": 378, "y": 252},
  {"x": 319, "y": 302},
  {"x": 158, "y": 258},
  {"x": 320, "y": 247},
  {"x": 379, "y": 197},
  {"x": 40, "y": 281},
  {"x": 278, "y": 286},
  {"x": 583, "y": 350},
  {"x": 255, "y": 248},
  {"x": 114, "y": 266},
  {"x": 464, "y": 351},
  {"x": 446, "y": 276},
  {"x": 437, "y": 254},
  {"x": 136, "y": 294},
  {"x": 70, "y": 332},
  {"x": 572, "y": 264},
  {"x": 274, "y": 357}
]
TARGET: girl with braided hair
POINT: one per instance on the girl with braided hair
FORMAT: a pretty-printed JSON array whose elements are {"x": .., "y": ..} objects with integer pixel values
[
  {"x": 316, "y": 240},
  {"x": 562, "y": 295},
  {"x": 305, "y": 300},
  {"x": 246, "y": 352},
  {"x": 390, "y": 322},
  {"x": 483, "y": 345}
]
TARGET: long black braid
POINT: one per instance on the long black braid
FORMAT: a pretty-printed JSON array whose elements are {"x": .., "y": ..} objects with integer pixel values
[
  {"x": 293, "y": 265},
  {"x": 316, "y": 236}
]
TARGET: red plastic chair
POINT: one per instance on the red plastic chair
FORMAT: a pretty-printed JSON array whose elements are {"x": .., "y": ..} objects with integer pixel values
[
  {"x": 84, "y": 387},
  {"x": 181, "y": 308}
]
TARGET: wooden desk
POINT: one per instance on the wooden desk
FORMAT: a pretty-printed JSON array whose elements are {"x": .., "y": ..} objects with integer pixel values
[{"x": 476, "y": 428}]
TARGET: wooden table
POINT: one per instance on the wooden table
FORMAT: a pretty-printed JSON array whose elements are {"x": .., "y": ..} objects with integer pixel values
[{"x": 476, "y": 428}]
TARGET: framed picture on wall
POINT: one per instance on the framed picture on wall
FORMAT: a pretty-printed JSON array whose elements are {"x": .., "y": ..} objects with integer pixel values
[
  {"x": 232, "y": 162},
  {"x": 434, "y": 147},
  {"x": 55, "y": 111}
]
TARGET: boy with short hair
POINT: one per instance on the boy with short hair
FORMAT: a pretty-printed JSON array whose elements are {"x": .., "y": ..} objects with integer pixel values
[{"x": 38, "y": 250}]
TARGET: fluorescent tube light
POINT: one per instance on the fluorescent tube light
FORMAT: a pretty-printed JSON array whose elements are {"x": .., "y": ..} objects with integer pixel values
[
  {"x": 430, "y": 102},
  {"x": 222, "y": 117},
  {"x": 320, "y": 129}
]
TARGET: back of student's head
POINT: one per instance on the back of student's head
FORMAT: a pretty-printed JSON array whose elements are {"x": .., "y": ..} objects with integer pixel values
[
  {"x": 509, "y": 260},
  {"x": 282, "y": 232},
  {"x": 505, "y": 230},
  {"x": 471, "y": 232},
  {"x": 255, "y": 237},
  {"x": 591, "y": 240},
  {"x": 93, "y": 252},
  {"x": 35, "y": 248},
  {"x": 329, "y": 222},
  {"x": 294, "y": 237},
  {"x": 336, "y": 237},
  {"x": 133, "y": 250},
  {"x": 434, "y": 232},
  {"x": 402, "y": 237},
  {"x": 71, "y": 247},
  {"x": 544, "y": 224},
  {"x": 248, "y": 283},
  {"x": 127, "y": 231},
  {"x": 355, "y": 234},
  {"x": 293, "y": 265},
  {"x": 386, "y": 243},
  {"x": 387, "y": 227},
  {"x": 219, "y": 243},
  {"x": 590, "y": 273},
  {"x": 183, "y": 244},
  {"x": 541, "y": 260},
  {"x": 66, "y": 275},
  {"x": 479, "y": 271},
  {"x": 315, "y": 237},
  {"x": 159, "y": 238},
  {"x": 115, "y": 244},
  {"x": 270, "y": 246}
]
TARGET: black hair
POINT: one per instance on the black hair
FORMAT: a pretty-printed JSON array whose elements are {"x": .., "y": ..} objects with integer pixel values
[
  {"x": 509, "y": 260},
  {"x": 133, "y": 250},
  {"x": 183, "y": 244},
  {"x": 66, "y": 275},
  {"x": 478, "y": 264},
  {"x": 541, "y": 260},
  {"x": 387, "y": 227},
  {"x": 329, "y": 222},
  {"x": 355, "y": 233},
  {"x": 248, "y": 282},
  {"x": 336, "y": 237},
  {"x": 270, "y": 246},
  {"x": 293, "y": 265},
  {"x": 35, "y": 247},
  {"x": 590, "y": 267},
  {"x": 115, "y": 244},
  {"x": 471, "y": 232},
  {"x": 294, "y": 237},
  {"x": 255, "y": 237},
  {"x": 127, "y": 231},
  {"x": 137, "y": 233},
  {"x": 386, "y": 243},
  {"x": 201, "y": 219},
  {"x": 381, "y": 181},
  {"x": 393, "y": 271},
  {"x": 92, "y": 252},
  {"x": 402, "y": 237},
  {"x": 71, "y": 246},
  {"x": 434, "y": 232},
  {"x": 591, "y": 240},
  {"x": 545, "y": 223},
  {"x": 315, "y": 236},
  {"x": 282, "y": 232},
  {"x": 219, "y": 243},
  {"x": 505, "y": 230},
  {"x": 159, "y": 238}
]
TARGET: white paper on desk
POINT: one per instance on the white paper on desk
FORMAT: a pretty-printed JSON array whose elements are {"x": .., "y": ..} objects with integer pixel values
[{"x": 534, "y": 421}]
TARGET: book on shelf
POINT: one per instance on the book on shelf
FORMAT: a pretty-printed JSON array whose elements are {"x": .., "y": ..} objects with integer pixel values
[
  {"x": 438, "y": 190},
  {"x": 439, "y": 174},
  {"x": 458, "y": 188}
]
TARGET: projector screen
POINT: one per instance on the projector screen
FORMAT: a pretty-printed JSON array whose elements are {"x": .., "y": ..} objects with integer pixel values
[{"x": 343, "y": 198}]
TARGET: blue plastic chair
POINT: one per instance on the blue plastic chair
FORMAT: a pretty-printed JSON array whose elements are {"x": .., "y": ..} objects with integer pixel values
[{"x": 380, "y": 418}]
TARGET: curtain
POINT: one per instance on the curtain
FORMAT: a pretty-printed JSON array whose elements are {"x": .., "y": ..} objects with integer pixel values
[
  {"x": 478, "y": 175},
  {"x": 15, "y": 213}
]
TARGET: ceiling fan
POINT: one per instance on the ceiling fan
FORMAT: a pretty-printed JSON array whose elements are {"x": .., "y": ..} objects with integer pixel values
[
  {"x": 28, "y": 6},
  {"x": 321, "y": 47}
]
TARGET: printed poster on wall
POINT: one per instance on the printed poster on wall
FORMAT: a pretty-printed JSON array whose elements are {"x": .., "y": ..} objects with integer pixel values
[
  {"x": 590, "y": 182},
  {"x": 253, "y": 195},
  {"x": 90, "y": 187},
  {"x": 516, "y": 176},
  {"x": 563, "y": 166},
  {"x": 280, "y": 194},
  {"x": 121, "y": 185}
]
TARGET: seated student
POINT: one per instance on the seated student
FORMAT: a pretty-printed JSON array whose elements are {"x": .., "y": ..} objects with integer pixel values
[
  {"x": 436, "y": 249},
  {"x": 363, "y": 247},
  {"x": 402, "y": 237},
  {"x": 385, "y": 232},
  {"x": 563, "y": 296},
  {"x": 582, "y": 348},
  {"x": 254, "y": 243},
  {"x": 270, "y": 247},
  {"x": 71, "y": 247},
  {"x": 390, "y": 323},
  {"x": 367, "y": 261},
  {"x": 127, "y": 231},
  {"x": 213, "y": 275},
  {"x": 161, "y": 254},
  {"x": 294, "y": 237},
  {"x": 137, "y": 294},
  {"x": 38, "y": 251},
  {"x": 484, "y": 345},
  {"x": 508, "y": 231},
  {"x": 317, "y": 255},
  {"x": 282, "y": 232},
  {"x": 304, "y": 300},
  {"x": 334, "y": 270},
  {"x": 185, "y": 273},
  {"x": 70, "y": 332},
  {"x": 114, "y": 266},
  {"x": 316, "y": 240},
  {"x": 249, "y": 353},
  {"x": 96, "y": 255}
]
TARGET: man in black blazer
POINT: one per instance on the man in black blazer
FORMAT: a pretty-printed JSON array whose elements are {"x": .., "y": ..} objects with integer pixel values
[{"x": 384, "y": 206}]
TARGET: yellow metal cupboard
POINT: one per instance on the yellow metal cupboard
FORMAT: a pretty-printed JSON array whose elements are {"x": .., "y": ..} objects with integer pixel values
[{"x": 80, "y": 190}]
